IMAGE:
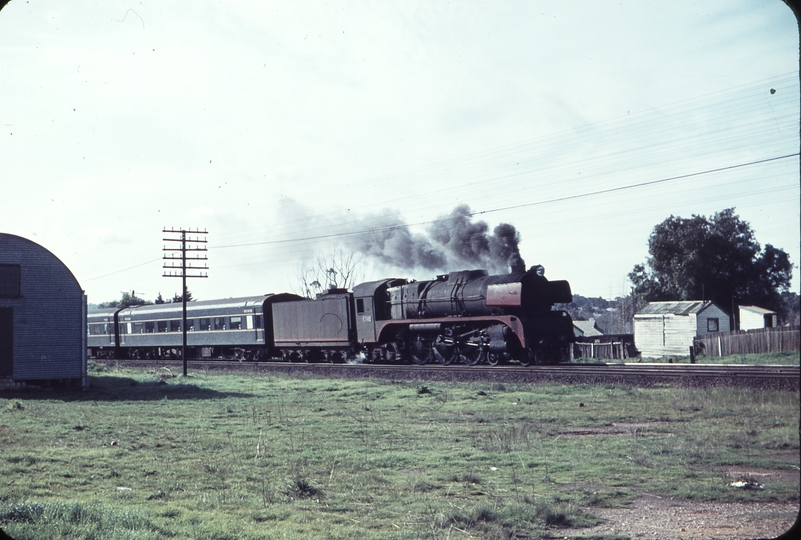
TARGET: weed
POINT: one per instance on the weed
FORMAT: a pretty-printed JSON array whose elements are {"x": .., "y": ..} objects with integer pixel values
[
  {"x": 13, "y": 405},
  {"x": 301, "y": 488}
]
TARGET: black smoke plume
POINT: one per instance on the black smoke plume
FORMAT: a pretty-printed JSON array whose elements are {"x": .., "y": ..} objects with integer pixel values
[{"x": 451, "y": 242}]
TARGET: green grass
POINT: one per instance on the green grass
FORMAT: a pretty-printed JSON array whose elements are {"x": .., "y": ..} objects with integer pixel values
[
  {"x": 792, "y": 358},
  {"x": 144, "y": 455}
]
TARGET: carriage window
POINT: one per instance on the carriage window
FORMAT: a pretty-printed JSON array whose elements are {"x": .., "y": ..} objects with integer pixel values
[
  {"x": 360, "y": 305},
  {"x": 95, "y": 329},
  {"x": 205, "y": 324},
  {"x": 236, "y": 323},
  {"x": 162, "y": 326},
  {"x": 124, "y": 328},
  {"x": 712, "y": 325},
  {"x": 257, "y": 321},
  {"x": 175, "y": 326},
  {"x": 219, "y": 323},
  {"x": 190, "y": 323},
  {"x": 138, "y": 328},
  {"x": 150, "y": 327}
]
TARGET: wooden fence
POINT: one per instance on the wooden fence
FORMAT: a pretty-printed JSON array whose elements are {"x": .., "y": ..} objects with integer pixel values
[
  {"x": 603, "y": 351},
  {"x": 763, "y": 340}
]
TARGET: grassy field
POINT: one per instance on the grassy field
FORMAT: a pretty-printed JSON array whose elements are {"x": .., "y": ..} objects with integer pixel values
[
  {"x": 792, "y": 358},
  {"x": 214, "y": 456}
]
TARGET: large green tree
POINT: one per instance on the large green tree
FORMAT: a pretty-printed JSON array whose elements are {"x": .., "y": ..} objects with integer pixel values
[{"x": 716, "y": 259}]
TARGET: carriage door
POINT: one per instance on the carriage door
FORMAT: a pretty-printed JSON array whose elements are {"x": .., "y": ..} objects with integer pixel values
[{"x": 6, "y": 342}]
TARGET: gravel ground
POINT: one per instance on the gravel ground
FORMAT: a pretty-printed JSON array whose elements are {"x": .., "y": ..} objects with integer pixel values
[{"x": 667, "y": 519}]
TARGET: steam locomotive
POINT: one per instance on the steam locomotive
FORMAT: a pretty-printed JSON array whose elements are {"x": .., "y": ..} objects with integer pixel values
[{"x": 465, "y": 317}]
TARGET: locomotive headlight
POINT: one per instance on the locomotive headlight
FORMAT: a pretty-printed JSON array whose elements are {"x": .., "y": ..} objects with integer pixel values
[{"x": 539, "y": 270}]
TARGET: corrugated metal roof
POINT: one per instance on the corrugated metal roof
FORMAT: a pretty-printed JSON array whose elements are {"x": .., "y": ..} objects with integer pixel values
[
  {"x": 587, "y": 328},
  {"x": 684, "y": 307},
  {"x": 757, "y": 309}
]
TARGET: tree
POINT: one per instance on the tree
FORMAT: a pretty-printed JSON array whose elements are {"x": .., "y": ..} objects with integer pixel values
[
  {"x": 714, "y": 259},
  {"x": 790, "y": 312},
  {"x": 337, "y": 269},
  {"x": 159, "y": 299},
  {"x": 127, "y": 299},
  {"x": 179, "y": 298}
]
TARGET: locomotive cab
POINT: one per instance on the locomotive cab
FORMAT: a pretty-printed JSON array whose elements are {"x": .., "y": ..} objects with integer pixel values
[{"x": 372, "y": 304}]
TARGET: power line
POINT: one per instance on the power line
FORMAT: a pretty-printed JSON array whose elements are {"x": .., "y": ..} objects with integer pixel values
[
  {"x": 123, "y": 270},
  {"x": 513, "y": 207}
]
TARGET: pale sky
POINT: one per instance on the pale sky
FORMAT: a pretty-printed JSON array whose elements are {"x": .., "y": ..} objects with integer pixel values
[{"x": 287, "y": 129}]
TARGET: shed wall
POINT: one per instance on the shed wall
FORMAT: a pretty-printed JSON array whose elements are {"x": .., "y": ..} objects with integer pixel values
[
  {"x": 49, "y": 316},
  {"x": 664, "y": 335},
  {"x": 712, "y": 312},
  {"x": 750, "y": 320}
]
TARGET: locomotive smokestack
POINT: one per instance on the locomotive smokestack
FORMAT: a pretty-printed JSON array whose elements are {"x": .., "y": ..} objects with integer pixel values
[{"x": 517, "y": 264}]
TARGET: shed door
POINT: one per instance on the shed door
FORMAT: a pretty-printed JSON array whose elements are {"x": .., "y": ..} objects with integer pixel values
[{"x": 6, "y": 341}]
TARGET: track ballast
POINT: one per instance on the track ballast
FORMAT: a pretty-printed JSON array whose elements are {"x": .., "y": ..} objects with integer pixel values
[{"x": 637, "y": 374}]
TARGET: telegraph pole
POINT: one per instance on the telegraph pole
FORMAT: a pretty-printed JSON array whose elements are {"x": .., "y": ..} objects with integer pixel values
[{"x": 186, "y": 269}]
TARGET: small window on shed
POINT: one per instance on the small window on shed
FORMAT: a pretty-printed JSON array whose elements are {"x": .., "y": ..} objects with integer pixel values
[
  {"x": 9, "y": 281},
  {"x": 360, "y": 305},
  {"x": 712, "y": 324}
]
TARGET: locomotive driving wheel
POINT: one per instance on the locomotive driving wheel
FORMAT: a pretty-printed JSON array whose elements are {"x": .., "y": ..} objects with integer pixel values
[
  {"x": 444, "y": 351},
  {"x": 472, "y": 354},
  {"x": 421, "y": 351}
]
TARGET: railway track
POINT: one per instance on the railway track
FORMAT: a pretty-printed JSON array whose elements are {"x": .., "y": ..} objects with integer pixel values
[{"x": 638, "y": 374}]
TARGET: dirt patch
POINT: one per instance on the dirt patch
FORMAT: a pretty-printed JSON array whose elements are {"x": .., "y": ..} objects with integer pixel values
[
  {"x": 651, "y": 516},
  {"x": 761, "y": 474}
]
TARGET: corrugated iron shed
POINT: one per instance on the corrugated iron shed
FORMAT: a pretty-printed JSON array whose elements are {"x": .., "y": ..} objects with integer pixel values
[{"x": 42, "y": 315}]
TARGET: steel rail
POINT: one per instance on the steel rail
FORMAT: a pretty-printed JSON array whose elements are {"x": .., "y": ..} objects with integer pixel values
[{"x": 641, "y": 374}]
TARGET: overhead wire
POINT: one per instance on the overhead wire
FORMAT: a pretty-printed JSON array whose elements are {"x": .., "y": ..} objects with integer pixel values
[{"x": 640, "y": 143}]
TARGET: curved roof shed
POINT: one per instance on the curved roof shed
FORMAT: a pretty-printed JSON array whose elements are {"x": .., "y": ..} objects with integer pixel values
[{"x": 42, "y": 316}]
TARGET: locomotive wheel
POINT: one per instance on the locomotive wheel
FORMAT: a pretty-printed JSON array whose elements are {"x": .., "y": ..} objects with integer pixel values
[
  {"x": 472, "y": 355},
  {"x": 392, "y": 352},
  {"x": 421, "y": 351},
  {"x": 445, "y": 353},
  {"x": 493, "y": 359},
  {"x": 528, "y": 358}
]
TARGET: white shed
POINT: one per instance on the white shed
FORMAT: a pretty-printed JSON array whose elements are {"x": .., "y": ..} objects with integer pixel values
[
  {"x": 752, "y": 317},
  {"x": 668, "y": 328}
]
